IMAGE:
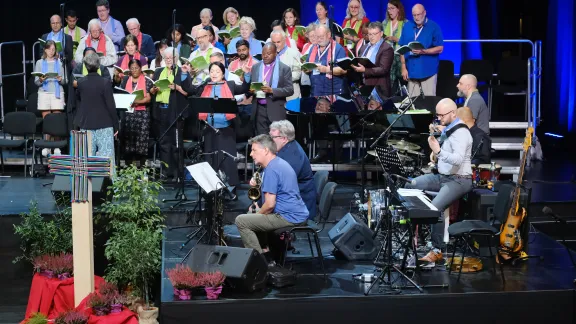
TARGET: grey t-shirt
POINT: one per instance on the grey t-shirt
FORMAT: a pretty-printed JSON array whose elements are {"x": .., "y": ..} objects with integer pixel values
[{"x": 479, "y": 111}]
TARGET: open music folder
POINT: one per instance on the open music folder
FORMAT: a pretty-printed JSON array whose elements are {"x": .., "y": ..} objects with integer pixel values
[{"x": 205, "y": 177}]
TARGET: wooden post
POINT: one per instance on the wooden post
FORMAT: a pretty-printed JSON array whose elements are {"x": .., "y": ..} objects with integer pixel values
[{"x": 83, "y": 247}]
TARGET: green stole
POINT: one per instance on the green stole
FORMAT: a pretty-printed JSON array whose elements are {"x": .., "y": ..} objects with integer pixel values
[
  {"x": 85, "y": 70},
  {"x": 397, "y": 32},
  {"x": 164, "y": 96},
  {"x": 75, "y": 38},
  {"x": 356, "y": 28}
]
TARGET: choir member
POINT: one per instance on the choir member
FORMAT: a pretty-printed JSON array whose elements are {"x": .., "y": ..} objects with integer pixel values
[
  {"x": 277, "y": 26},
  {"x": 205, "y": 49},
  {"x": 382, "y": 55},
  {"x": 231, "y": 19},
  {"x": 205, "y": 21},
  {"x": 158, "y": 62},
  {"x": 291, "y": 57},
  {"x": 393, "y": 25},
  {"x": 58, "y": 35},
  {"x": 177, "y": 38},
  {"x": 145, "y": 42},
  {"x": 245, "y": 61},
  {"x": 131, "y": 49},
  {"x": 73, "y": 30},
  {"x": 322, "y": 19},
  {"x": 355, "y": 17},
  {"x": 247, "y": 27},
  {"x": 102, "y": 43},
  {"x": 213, "y": 40},
  {"x": 290, "y": 20},
  {"x": 137, "y": 124},
  {"x": 110, "y": 26}
]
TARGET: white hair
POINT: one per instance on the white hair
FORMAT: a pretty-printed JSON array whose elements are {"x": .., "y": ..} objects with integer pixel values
[
  {"x": 361, "y": 12},
  {"x": 285, "y": 128},
  {"x": 94, "y": 22},
  {"x": 206, "y": 11},
  {"x": 248, "y": 21},
  {"x": 132, "y": 20},
  {"x": 171, "y": 50},
  {"x": 278, "y": 32}
]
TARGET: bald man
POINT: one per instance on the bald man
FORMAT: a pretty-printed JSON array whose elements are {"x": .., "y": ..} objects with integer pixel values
[
  {"x": 481, "y": 142},
  {"x": 57, "y": 34},
  {"x": 420, "y": 67},
  {"x": 467, "y": 88},
  {"x": 454, "y": 177}
]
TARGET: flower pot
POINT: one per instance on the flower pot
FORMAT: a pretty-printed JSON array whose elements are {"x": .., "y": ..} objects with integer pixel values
[
  {"x": 64, "y": 276},
  {"x": 213, "y": 292},
  {"x": 148, "y": 316},
  {"x": 101, "y": 310},
  {"x": 47, "y": 273},
  {"x": 183, "y": 294},
  {"x": 115, "y": 308}
]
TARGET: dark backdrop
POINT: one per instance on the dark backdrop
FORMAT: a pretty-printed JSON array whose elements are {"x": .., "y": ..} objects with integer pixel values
[{"x": 27, "y": 20}]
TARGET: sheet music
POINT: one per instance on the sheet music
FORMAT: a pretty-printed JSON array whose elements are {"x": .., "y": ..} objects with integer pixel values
[
  {"x": 410, "y": 192},
  {"x": 205, "y": 176},
  {"x": 124, "y": 101}
]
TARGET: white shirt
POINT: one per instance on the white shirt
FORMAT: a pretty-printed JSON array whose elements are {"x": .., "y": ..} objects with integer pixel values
[{"x": 202, "y": 75}]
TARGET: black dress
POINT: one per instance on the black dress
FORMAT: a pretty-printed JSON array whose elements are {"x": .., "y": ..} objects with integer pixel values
[{"x": 136, "y": 126}]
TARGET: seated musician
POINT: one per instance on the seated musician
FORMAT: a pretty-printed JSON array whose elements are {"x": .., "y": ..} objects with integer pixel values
[
  {"x": 137, "y": 124},
  {"x": 481, "y": 142},
  {"x": 225, "y": 139},
  {"x": 454, "y": 177},
  {"x": 283, "y": 134},
  {"x": 283, "y": 206}
]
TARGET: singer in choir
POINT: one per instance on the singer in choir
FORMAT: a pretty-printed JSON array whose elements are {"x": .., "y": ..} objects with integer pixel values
[
  {"x": 73, "y": 30},
  {"x": 231, "y": 19},
  {"x": 291, "y": 57},
  {"x": 225, "y": 137},
  {"x": 393, "y": 25},
  {"x": 290, "y": 20},
  {"x": 58, "y": 35},
  {"x": 110, "y": 26},
  {"x": 169, "y": 104},
  {"x": 213, "y": 39},
  {"x": 205, "y": 49},
  {"x": 102, "y": 43},
  {"x": 137, "y": 124},
  {"x": 131, "y": 49},
  {"x": 158, "y": 62},
  {"x": 205, "y": 21},
  {"x": 277, "y": 26},
  {"x": 382, "y": 55},
  {"x": 245, "y": 61},
  {"x": 145, "y": 42},
  {"x": 177, "y": 38},
  {"x": 247, "y": 28},
  {"x": 355, "y": 17},
  {"x": 323, "y": 19},
  {"x": 50, "y": 91}
]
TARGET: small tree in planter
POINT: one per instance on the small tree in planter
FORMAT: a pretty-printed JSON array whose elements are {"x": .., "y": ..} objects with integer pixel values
[
  {"x": 183, "y": 280},
  {"x": 212, "y": 282}
]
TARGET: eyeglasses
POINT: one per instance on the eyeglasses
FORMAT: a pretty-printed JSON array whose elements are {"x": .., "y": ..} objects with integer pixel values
[
  {"x": 277, "y": 136},
  {"x": 442, "y": 115}
]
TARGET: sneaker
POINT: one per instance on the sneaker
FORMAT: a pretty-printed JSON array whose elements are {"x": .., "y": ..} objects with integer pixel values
[
  {"x": 45, "y": 152},
  {"x": 57, "y": 151},
  {"x": 432, "y": 258}
]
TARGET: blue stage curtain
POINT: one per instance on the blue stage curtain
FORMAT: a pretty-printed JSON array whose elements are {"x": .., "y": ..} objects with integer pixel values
[
  {"x": 457, "y": 19},
  {"x": 559, "y": 68}
]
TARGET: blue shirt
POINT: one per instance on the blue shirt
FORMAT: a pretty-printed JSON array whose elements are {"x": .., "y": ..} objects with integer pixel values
[
  {"x": 280, "y": 179},
  {"x": 293, "y": 153},
  {"x": 255, "y": 46},
  {"x": 218, "y": 45},
  {"x": 321, "y": 85},
  {"x": 430, "y": 35}
]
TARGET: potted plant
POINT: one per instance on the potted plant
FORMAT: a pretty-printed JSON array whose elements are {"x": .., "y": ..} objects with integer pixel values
[
  {"x": 134, "y": 247},
  {"x": 114, "y": 297},
  {"x": 99, "y": 303},
  {"x": 212, "y": 282},
  {"x": 72, "y": 317},
  {"x": 37, "y": 318},
  {"x": 62, "y": 265},
  {"x": 42, "y": 266},
  {"x": 183, "y": 280}
]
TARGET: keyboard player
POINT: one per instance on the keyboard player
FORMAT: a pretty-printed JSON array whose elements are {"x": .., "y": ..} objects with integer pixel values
[{"x": 454, "y": 177}]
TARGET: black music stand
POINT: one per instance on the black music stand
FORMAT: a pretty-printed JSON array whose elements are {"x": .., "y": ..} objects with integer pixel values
[{"x": 390, "y": 160}]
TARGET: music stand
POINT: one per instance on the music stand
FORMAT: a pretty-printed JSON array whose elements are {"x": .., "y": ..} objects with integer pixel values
[{"x": 390, "y": 159}]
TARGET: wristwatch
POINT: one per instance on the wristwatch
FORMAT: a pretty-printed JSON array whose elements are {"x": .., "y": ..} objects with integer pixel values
[{"x": 438, "y": 152}]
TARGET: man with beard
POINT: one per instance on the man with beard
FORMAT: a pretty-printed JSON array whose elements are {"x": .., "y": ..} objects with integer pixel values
[
  {"x": 205, "y": 49},
  {"x": 467, "y": 89},
  {"x": 245, "y": 61}
]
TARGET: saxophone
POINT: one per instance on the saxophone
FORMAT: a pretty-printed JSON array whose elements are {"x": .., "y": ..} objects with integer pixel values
[{"x": 254, "y": 193}]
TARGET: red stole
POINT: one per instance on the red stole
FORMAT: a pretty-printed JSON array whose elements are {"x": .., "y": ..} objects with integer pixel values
[
  {"x": 235, "y": 65},
  {"x": 224, "y": 93},
  {"x": 141, "y": 85},
  {"x": 331, "y": 54},
  {"x": 139, "y": 38},
  {"x": 305, "y": 48},
  {"x": 126, "y": 59},
  {"x": 101, "y": 43},
  {"x": 288, "y": 41}
]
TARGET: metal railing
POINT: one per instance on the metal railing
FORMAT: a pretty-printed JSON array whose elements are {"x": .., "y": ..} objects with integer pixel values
[
  {"x": 534, "y": 66},
  {"x": 2, "y": 76},
  {"x": 34, "y": 51}
]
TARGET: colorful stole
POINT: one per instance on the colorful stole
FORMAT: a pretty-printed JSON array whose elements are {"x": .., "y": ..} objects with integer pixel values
[
  {"x": 140, "y": 86},
  {"x": 224, "y": 93},
  {"x": 331, "y": 54},
  {"x": 101, "y": 43}
]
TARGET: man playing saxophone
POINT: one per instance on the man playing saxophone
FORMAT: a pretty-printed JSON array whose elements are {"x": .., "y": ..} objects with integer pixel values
[{"x": 283, "y": 206}]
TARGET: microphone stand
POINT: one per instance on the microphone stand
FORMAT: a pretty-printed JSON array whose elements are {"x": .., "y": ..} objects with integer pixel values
[
  {"x": 174, "y": 63},
  {"x": 387, "y": 131}
]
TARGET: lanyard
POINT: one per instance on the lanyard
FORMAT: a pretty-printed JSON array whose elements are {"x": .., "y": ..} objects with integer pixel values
[
  {"x": 416, "y": 35},
  {"x": 325, "y": 51}
]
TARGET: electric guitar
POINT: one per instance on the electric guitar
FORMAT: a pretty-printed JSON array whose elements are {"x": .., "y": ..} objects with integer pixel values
[{"x": 511, "y": 242}]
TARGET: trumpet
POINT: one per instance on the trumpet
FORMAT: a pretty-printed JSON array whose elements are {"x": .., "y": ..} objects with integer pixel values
[{"x": 255, "y": 192}]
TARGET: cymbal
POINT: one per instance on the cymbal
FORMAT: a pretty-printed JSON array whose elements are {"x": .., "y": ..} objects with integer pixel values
[
  {"x": 403, "y": 145},
  {"x": 414, "y": 152}
]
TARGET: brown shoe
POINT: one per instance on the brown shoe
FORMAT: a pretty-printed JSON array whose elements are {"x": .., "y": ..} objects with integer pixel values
[{"x": 432, "y": 257}]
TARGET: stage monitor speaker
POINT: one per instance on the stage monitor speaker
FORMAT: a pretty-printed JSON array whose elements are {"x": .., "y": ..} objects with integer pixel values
[
  {"x": 61, "y": 189},
  {"x": 245, "y": 269},
  {"x": 354, "y": 239}
]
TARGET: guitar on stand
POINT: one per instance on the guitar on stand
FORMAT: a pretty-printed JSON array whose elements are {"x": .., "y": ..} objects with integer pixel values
[{"x": 511, "y": 241}]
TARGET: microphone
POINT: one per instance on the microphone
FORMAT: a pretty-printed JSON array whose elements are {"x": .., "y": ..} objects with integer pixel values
[
  {"x": 215, "y": 83},
  {"x": 235, "y": 158},
  {"x": 399, "y": 177},
  {"x": 216, "y": 130},
  {"x": 548, "y": 211}
]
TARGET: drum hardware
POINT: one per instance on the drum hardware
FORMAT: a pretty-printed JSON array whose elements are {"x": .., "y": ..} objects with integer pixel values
[
  {"x": 481, "y": 175},
  {"x": 403, "y": 145}
]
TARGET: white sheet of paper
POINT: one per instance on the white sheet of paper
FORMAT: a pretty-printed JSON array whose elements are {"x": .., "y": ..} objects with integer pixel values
[
  {"x": 205, "y": 176},
  {"x": 124, "y": 101}
]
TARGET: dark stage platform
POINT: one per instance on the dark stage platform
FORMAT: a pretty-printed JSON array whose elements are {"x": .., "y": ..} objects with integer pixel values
[{"x": 534, "y": 290}]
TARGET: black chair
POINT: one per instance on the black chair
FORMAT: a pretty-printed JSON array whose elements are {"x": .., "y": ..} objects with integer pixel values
[
  {"x": 19, "y": 123},
  {"x": 483, "y": 70},
  {"x": 55, "y": 125},
  {"x": 320, "y": 180},
  {"x": 446, "y": 82},
  {"x": 32, "y": 106},
  {"x": 310, "y": 227},
  {"x": 464, "y": 231}
]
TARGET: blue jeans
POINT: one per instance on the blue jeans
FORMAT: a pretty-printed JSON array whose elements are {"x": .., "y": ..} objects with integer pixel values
[
  {"x": 103, "y": 145},
  {"x": 449, "y": 188}
]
